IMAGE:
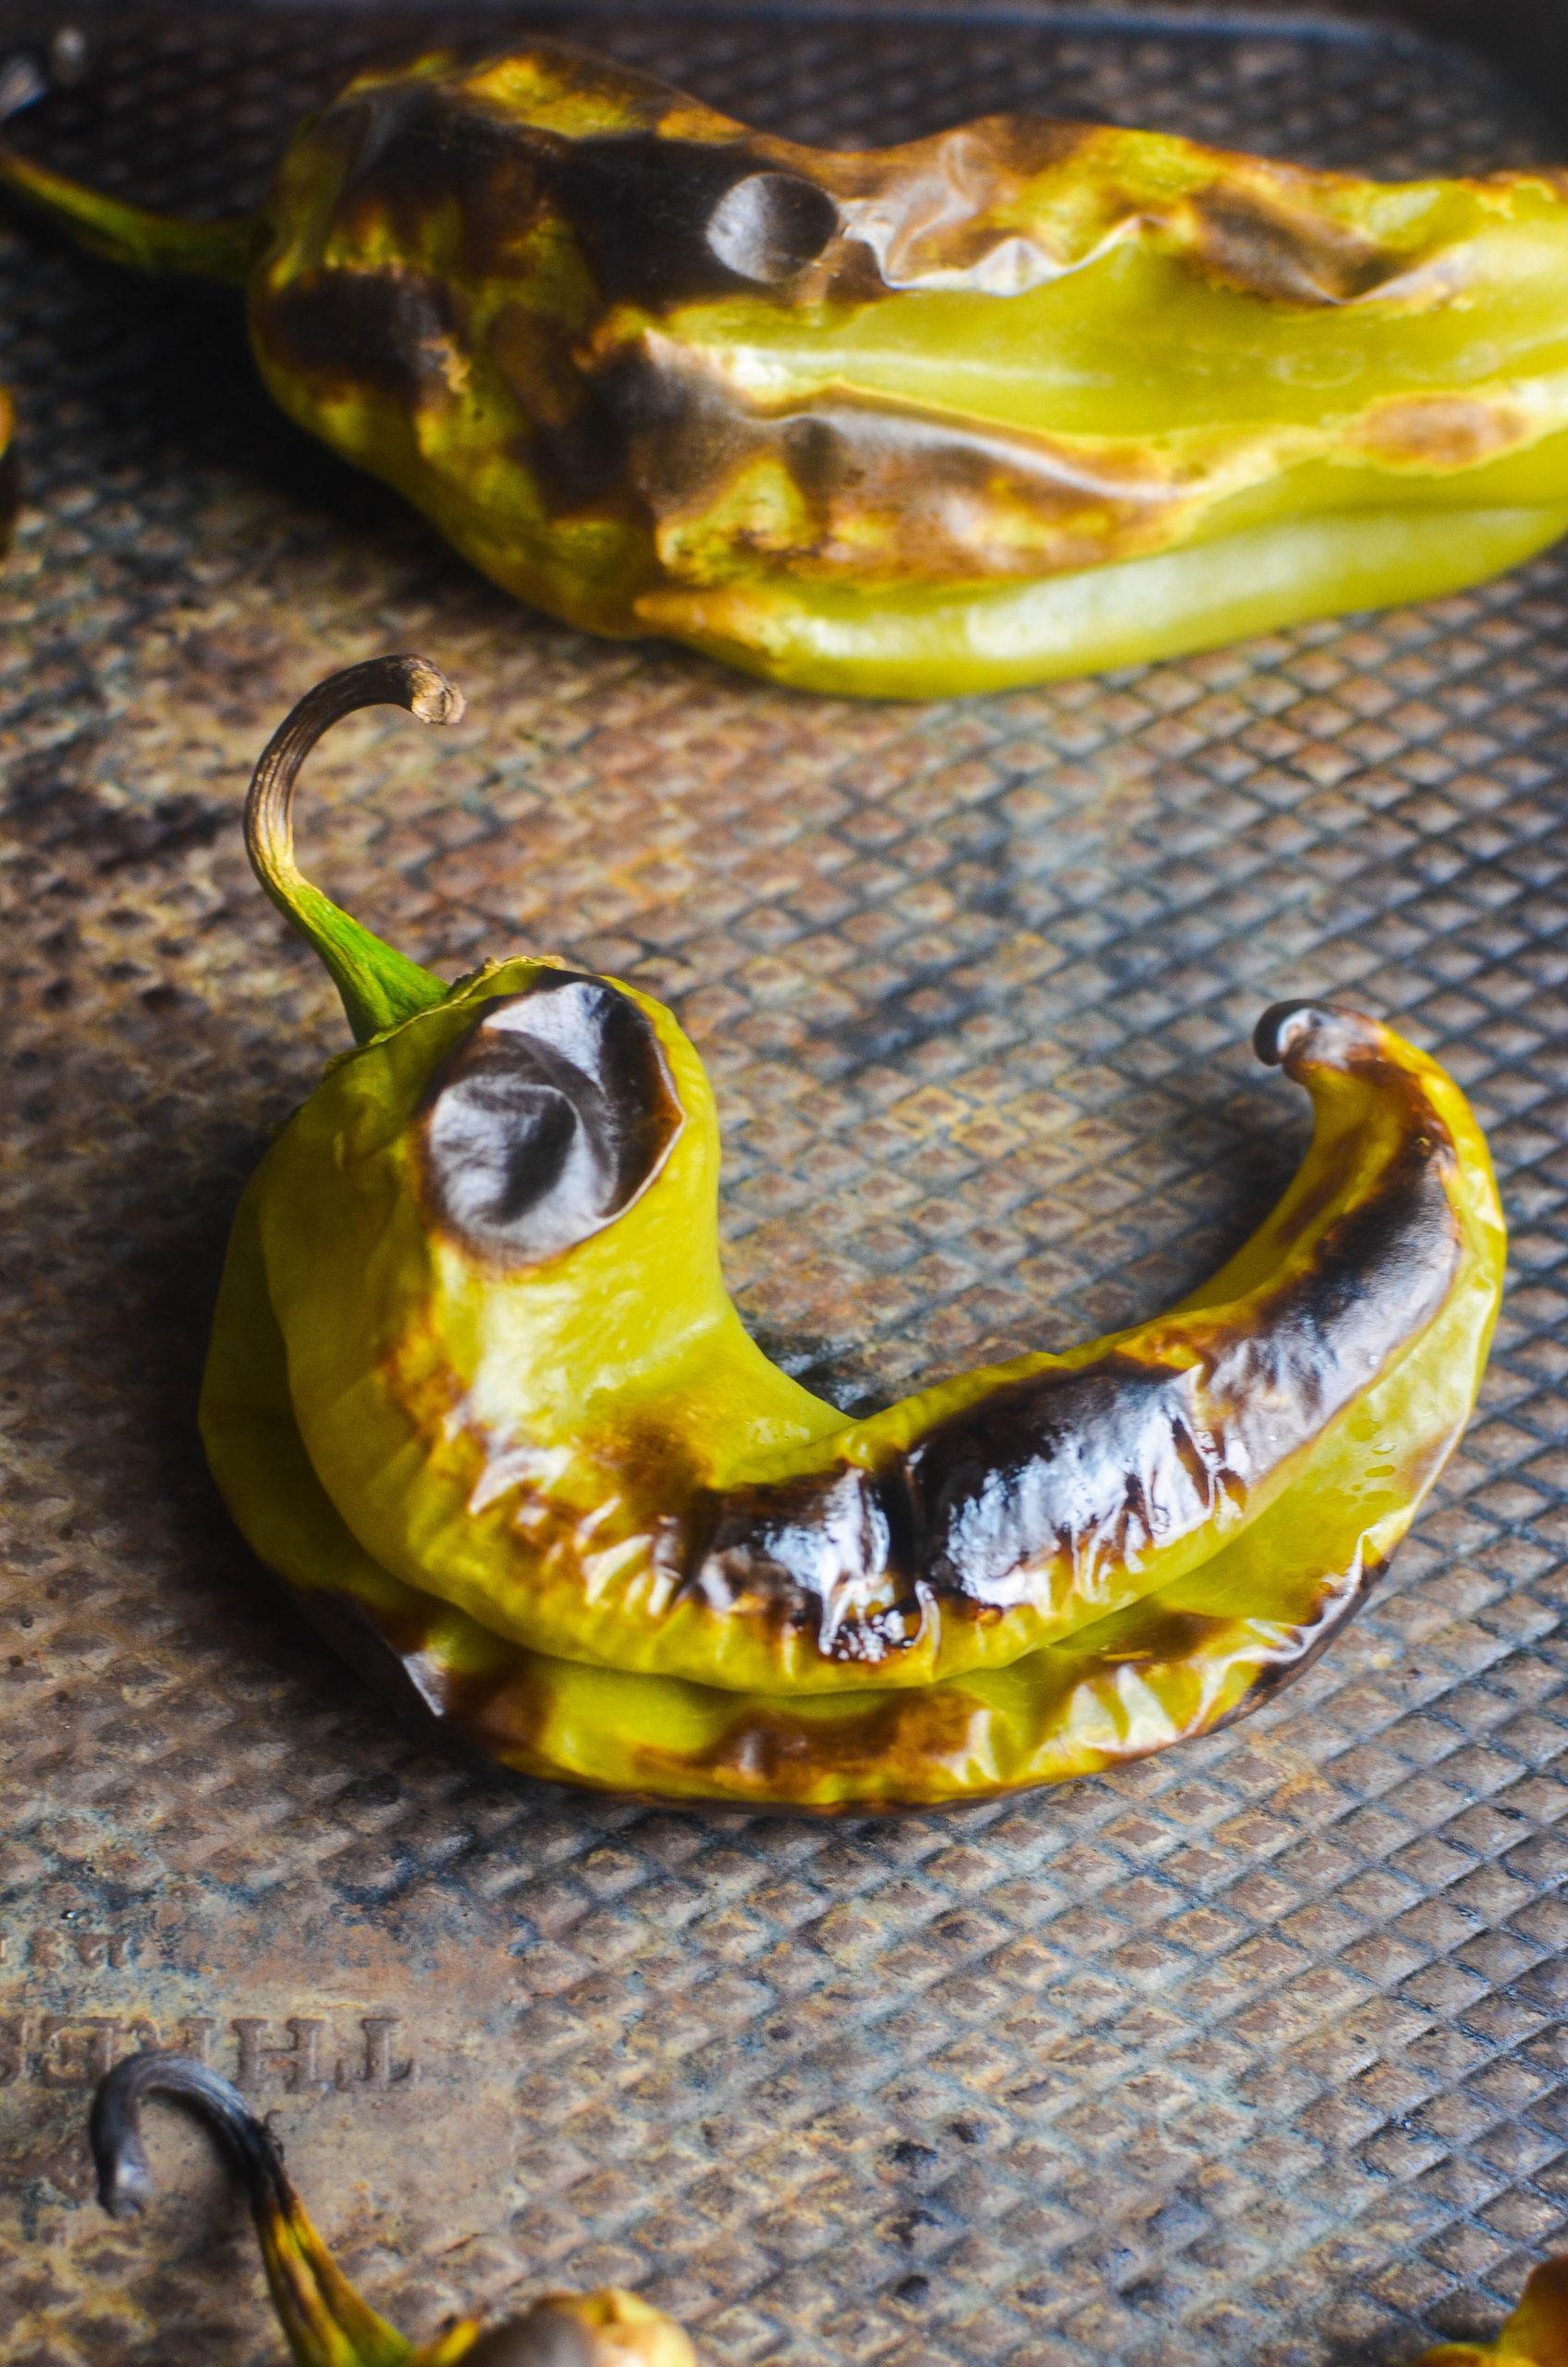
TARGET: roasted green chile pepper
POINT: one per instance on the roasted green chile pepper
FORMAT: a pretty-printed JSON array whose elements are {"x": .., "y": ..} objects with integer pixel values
[
  {"x": 1026, "y": 399},
  {"x": 329, "y": 2326},
  {"x": 326, "y": 2323},
  {"x": 476, "y": 1390}
]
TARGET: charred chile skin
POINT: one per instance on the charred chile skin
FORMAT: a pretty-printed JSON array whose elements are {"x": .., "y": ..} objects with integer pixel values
[
  {"x": 1020, "y": 399},
  {"x": 477, "y": 1391}
]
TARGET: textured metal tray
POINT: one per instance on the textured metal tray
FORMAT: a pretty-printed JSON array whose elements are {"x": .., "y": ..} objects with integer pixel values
[{"x": 1251, "y": 2053}]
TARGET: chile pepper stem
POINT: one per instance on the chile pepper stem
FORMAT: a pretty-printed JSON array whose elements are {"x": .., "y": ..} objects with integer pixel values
[
  {"x": 326, "y": 2323},
  {"x": 129, "y": 234},
  {"x": 379, "y": 985}
]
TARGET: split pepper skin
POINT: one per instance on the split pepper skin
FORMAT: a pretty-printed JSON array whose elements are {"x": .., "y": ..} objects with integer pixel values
[
  {"x": 1027, "y": 399},
  {"x": 328, "y": 2324},
  {"x": 476, "y": 1391}
]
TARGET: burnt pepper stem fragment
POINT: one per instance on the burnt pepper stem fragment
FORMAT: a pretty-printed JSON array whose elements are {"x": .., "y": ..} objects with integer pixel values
[
  {"x": 326, "y": 2322},
  {"x": 379, "y": 985}
]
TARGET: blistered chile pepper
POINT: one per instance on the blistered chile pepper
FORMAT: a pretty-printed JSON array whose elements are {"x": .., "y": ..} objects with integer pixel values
[
  {"x": 327, "y": 2324},
  {"x": 1024, "y": 398},
  {"x": 477, "y": 1391}
]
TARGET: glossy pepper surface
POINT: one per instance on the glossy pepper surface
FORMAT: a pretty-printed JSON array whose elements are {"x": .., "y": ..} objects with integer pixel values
[
  {"x": 328, "y": 2324},
  {"x": 1024, "y": 398},
  {"x": 476, "y": 1389}
]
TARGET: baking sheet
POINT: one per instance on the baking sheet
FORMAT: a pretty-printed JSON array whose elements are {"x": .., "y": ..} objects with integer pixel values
[{"x": 1250, "y": 2052}]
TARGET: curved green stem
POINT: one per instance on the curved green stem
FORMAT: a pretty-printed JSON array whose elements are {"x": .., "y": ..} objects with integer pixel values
[
  {"x": 326, "y": 2323},
  {"x": 129, "y": 234},
  {"x": 379, "y": 985}
]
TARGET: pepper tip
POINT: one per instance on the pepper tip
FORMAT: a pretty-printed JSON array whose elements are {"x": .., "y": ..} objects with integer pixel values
[
  {"x": 122, "y": 2197},
  {"x": 431, "y": 697},
  {"x": 1281, "y": 1026},
  {"x": 1335, "y": 1032}
]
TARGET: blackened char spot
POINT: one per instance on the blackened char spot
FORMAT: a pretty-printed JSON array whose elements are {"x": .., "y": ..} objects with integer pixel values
[
  {"x": 905, "y": 493},
  {"x": 832, "y": 1552},
  {"x": 579, "y": 465},
  {"x": 1095, "y": 1468},
  {"x": 1390, "y": 1253},
  {"x": 549, "y": 1119},
  {"x": 666, "y": 222},
  {"x": 1285, "y": 258},
  {"x": 1063, "y": 1482},
  {"x": 416, "y": 157},
  {"x": 1098, "y": 1465},
  {"x": 415, "y": 141},
  {"x": 395, "y": 331},
  {"x": 576, "y": 445}
]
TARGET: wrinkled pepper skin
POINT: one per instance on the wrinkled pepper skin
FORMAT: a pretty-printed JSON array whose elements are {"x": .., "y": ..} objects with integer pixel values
[
  {"x": 1022, "y": 399},
  {"x": 328, "y": 2324},
  {"x": 477, "y": 1391}
]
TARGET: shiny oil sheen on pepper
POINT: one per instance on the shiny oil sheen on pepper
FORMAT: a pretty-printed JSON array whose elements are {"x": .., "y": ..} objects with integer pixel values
[
  {"x": 476, "y": 1390},
  {"x": 1024, "y": 398},
  {"x": 328, "y": 2324}
]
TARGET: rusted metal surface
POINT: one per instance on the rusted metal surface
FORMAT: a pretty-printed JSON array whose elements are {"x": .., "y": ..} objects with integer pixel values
[{"x": 1253, "y": 2052}]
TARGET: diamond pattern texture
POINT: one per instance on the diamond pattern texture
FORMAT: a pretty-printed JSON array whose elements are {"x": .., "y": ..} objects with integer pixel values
[{"x": 1251, "y": 2053}]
